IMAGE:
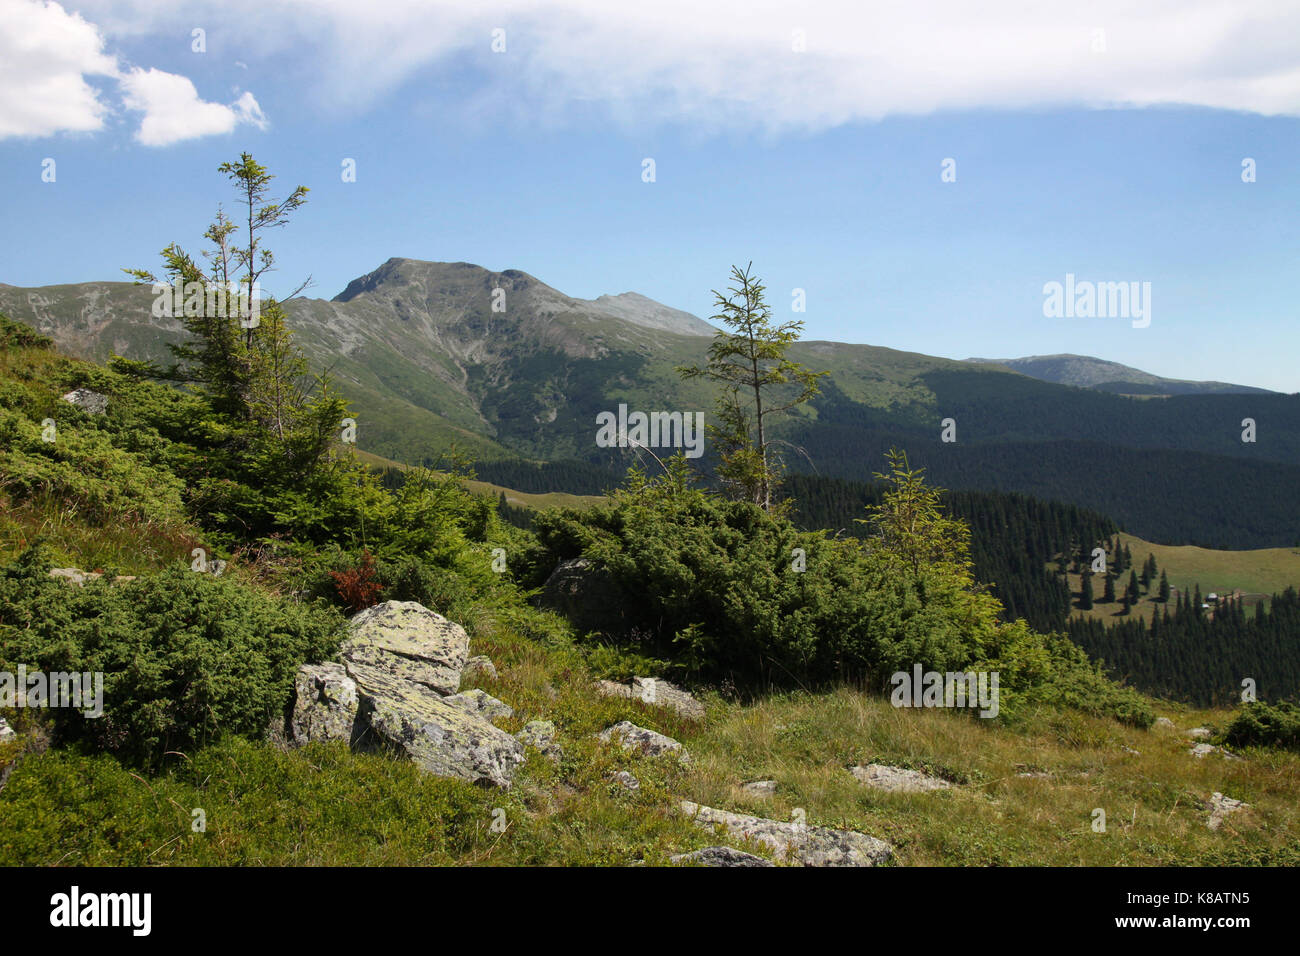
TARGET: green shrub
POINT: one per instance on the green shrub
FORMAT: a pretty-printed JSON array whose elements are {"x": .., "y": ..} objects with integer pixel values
[
  {"x": 1265, "y": 725},
  {"x": 185, "y": 656}
]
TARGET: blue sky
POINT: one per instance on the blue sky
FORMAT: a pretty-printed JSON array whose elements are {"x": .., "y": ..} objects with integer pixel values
[{"x": 1121, "y": 165}]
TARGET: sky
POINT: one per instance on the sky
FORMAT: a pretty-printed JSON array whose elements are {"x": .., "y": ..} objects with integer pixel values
[{"x": 921, "y": 171}]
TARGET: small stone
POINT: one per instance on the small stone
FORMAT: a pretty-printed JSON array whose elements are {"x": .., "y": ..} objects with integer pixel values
[
  {"x": 6, "y": 732},
  {"x": 655, "y": 691},
  {"x": 1220, "y": 807},
  {"x": 646, "y": 742},
  {"x": 720, "y": 856},
  {"x": 759, "y": 788},
  {"x": 1199, "y": 733},
  {"x": 482, "y": 703},
  {"x": 1130, "y": 750},
  {"x": 897, "y": 779},
  {"x": 1164, "y": 723},
  {"x": 626, "y": 780}
]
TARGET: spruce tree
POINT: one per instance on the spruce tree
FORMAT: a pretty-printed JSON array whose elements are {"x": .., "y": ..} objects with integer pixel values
[
  {"x": 1164, "y": 587},
  {"x": 1085, "y": 590}
]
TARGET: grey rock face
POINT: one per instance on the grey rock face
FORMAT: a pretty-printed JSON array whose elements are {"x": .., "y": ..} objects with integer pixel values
[
  {"x": 92, "y": 403},
  {"x": 325, "y": 705},
  {"x": 656, "y": 691},
  {"x": 809, "y": 845},
  {"x": 411, "y": 720},
  {"x": 897, "y": 779},
  {"x": 405, "y": 640},
  {"x": 646, "y": 742},
  {"x": 720, "y": 856},
  {"x": 482, "y": 703}
]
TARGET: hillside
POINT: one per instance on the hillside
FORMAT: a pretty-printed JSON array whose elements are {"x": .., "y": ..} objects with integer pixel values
[
  {"x": 116, "y": 491},
  {"x": 427, "y": 363},
  {"x": 1084, "y": 371}
]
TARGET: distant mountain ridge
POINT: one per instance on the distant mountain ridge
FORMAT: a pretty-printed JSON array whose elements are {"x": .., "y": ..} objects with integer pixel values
[
  {"x": 510, "y": 370},
  {"x": 1085, "y": 371}
]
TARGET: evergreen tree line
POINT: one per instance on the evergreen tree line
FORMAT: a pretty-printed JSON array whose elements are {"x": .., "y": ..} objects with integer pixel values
[{"x": 1188, "y": 653}]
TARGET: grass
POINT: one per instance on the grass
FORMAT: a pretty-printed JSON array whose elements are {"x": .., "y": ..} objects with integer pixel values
[{"x": 325, "y": 806}]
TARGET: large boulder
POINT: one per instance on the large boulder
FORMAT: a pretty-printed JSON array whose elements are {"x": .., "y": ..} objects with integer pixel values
[
  {"x": 406, "y": 641},
  {"x": 809, "y": 845},
  {"x": 411, "y": 720},
  {"x": 587, "y": 594},
  {"x": 324, "y": 706}
]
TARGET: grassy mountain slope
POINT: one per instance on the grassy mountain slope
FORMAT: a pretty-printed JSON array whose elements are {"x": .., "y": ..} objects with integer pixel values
[{"x": 1085, "y": 371}]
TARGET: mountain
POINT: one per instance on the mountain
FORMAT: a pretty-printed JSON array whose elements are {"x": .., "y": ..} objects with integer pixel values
[
  {"x": 509, "y": 370},
  {"x": 1084, "y": 371}
]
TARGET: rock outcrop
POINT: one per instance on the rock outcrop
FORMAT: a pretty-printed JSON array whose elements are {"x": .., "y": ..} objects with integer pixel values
[
  {"x": 79, "y": 577},
  {"x": 720, "y": 856},
  {"x": 394, "y": 692},
  {"x": 325, "y": 705},
  {"x": 799, "y": 842},
  {"x": 92, "y": 403},
  {"x": 540, "y": 735},
  {"x": 643, "y": 741},
  {"x": 897, "y": 779},
  {"x": 405, "y": 640},
  {"x": 656, "y": 691},
  {"x": 482, "y": 703}
]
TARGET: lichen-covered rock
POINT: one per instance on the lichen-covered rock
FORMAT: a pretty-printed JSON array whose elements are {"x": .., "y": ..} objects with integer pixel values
[
  {"x": 324, "y": 706},
  {"x": 92, "y": 403},
  {"x": 482, "y": 703},
  {"x": 1164, "y": 723},
  {"x": 410, "y": 719},
  {"x": 540, "y": 735},
  {"x": 1199, "y": 733},
  {"x": 405, "y": 640},
  {"x": 1220, "y": 807},
  {"x": 646, "y": 742},
  {"x": 656, "y": 691},
  {"x": 1204, "y": 750},
  {"x": 480, "y": 667},
  {"x": 808, "y": 845},
  {"x": 759, "y": 788},
  {"x": 720, "y": 856},
  {"x": 897, "y": 779}
]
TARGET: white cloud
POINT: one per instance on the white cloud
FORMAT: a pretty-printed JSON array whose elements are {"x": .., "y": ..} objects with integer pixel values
[
  {"x": 730, "y": 61},
  {"x": 46, "y": 55},
  {"x": 173, "y": 111}
]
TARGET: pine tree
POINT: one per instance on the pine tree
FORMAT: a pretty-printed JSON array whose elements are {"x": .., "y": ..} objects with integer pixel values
[
  {"x": 1164, "y": 587},
  {"x": 1132, "y": 594},
  {"x": 1085, "y": 590},
  {"x": 1108, "y": 594},
  {"x": 751, "y": 365}
]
